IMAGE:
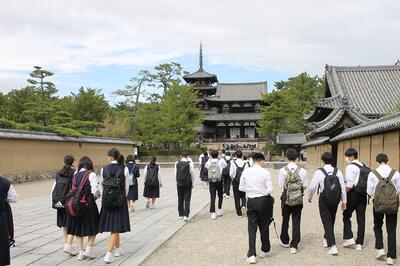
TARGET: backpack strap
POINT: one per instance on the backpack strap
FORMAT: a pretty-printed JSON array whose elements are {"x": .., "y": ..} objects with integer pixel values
[
  {"x": 335, "y": 171},
  {"x": 359, "y": 166},
  {"x": 377, "y": 174},
  {"x": 323, "y": 171},
  {"x": 74, "y": 181},
  {"x": 391, "y": 174},
  {"x": 84, "y": 179}
]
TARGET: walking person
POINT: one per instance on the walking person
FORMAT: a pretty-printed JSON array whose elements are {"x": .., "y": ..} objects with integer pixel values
[
  {"x": 152, "y": 183},
  {"x": 114, "y": 214},
  {"x": 235, "y": 172},
  {"x": 225, "y": 176},
  {"x": 384, "y": 187},
  {"x": 356, "y": 176},
  {"x": 215, "y": 167},
  {"x": 184, "y": 173},
  {"x": 134, "y": 174},
  {"x": 87, "y": 224},
  {"x": 61, "y": 187},
  {"x": 7, "y": 195},
  {"x": 329, "y": 182},
  {"x": 293, "y": 182},
  {"x": 257, "y": 184},
  {"x": 203, "y": 171}
]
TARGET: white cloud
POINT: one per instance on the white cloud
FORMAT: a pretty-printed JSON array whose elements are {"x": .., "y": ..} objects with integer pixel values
[{"x": 285, "y": 36}]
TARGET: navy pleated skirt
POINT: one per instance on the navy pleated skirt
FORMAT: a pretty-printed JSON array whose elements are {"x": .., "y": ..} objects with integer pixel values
[
  {"x": 115, "y": 220},
  {"x": 86, "y": 225},
  {"x": 151, "y": 191},
  {"x": 133, "y": 193},
  {"x": 4, "y": 241}
]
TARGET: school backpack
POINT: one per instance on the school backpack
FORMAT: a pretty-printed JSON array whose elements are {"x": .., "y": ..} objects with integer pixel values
[
  {"x": 214, "y": 173},
  {"x": 152, "y": 176},
  {"x": 60, "y": 191},
  {"x": 77, "y": 201},
  {"x": 132, "y": 177},
  {"x": 361, "y": 186},
  {"x": 386, "y": 200},
  {"x": 332, "y": 189},
  {"x": 293, "y": 189},
  {"x": 183, "y": 176},
  {"x": 225, "y": 171},
  {"x": 113, "y": 188},
  {"x": 239, "y": 172}
]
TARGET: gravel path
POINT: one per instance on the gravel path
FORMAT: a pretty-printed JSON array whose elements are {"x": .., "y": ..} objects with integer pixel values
[{"x": 224, "y": 241}]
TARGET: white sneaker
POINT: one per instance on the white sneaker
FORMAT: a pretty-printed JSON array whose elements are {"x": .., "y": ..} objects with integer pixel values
[
  {"x": 119, "y": 252},
  {"x": 185, "y": 218},
  {"x": 293, "y": 250},
  {"x": 264, "y": 254},
  {"x": 244, "y": 211},
  {"x": 152, "y": 206},
  {"x": 180, "y": 217},
  {"x": 349, "y": 243},
  {"x": 252, "y": 260},
  {"x": 213, "y": 216},
  {"x": 389, "y": 261},
  {"x": 108, "y": 258},
  {"x": 283, "y": 245},
  {"x": 219, "y": 212},
  {"x": 81, "y": 255},
  {"x": 333, "y": 250},
  {"x": 380, "y": 254},
  {"x": 358, "y": 247},
  {"x": 68, "y": 249},
  {"x": 88, "y": 253},
  {"x": 325, "y": 243}
]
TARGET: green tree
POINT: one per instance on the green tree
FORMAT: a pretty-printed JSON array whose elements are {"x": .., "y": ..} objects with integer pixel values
[
  {"x": 3, "y": 101},
  {"x": 165, "y": 75},
  {"x": 89, "y": 105},
  {"x": 148, "y": 120},
  {"x": 18, "y": 103}
]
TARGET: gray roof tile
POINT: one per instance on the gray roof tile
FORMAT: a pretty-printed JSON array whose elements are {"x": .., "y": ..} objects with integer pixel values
[
  {"x": 234, "y": 117},
  {"x": 295, "y": 138},
  {"x": 314, "y": 142},
  {"x": 236, "y": 92}
]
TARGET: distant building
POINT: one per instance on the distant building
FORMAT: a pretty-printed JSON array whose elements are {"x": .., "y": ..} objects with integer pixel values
[
  {"x": 293, "y": 140},
  {"x": 232, "y": 110}
]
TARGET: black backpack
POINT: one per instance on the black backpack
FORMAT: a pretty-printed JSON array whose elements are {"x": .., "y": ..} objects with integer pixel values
[
  {"x": 113, "y": 190},
  {"x": 183, "y": 176},
  {"x": 152, "y": 176},
  {"x": 77, "y": 201},
  {"x": 239, "y": 172},
  {"x": 60, "y": 191},
  {"x": 225, "y": 171},
  {"x": 332, "y": 189},
  {"x": 361, "y": 186}
]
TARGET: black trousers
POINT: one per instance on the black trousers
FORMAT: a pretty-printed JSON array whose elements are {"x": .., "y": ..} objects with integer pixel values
[
  {"x": 184, "y": 196},
  {"x": 328, "y": 215},
  {"x": 391, "y": 225},
  {"x": 216, "y": 187},
  {"x": 295, "y": 212},
  {"x": 259, "y": 215},
  {"x": 227, "y": 184},
  {"x": 355, "y": 202},
  {"x": 239, "y": 197}
]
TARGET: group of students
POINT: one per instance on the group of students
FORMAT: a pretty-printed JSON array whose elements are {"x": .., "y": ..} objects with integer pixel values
[{"x": 353, "y": 189}]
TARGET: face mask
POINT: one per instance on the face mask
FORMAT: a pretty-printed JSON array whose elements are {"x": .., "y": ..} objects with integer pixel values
[{"x": 347, "y": 159}]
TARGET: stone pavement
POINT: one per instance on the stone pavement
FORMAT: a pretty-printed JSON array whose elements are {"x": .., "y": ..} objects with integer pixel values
[{"x": 39, "y": 240}]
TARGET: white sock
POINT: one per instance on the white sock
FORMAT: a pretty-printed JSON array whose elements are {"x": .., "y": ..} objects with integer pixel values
[{"x": 88, "y": 249}]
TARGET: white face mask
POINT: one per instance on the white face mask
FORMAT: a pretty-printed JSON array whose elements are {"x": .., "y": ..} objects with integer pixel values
[{"x": 347, "y": 159}]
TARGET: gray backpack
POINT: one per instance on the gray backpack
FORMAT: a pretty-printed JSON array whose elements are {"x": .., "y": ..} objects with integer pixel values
[
  {"x": 386, "y": 200},
  {"x": 214, "y": 174},
  {"x": 293, "y": 189}
]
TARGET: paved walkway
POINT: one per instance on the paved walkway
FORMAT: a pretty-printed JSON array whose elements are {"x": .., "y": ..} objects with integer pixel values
[{"x": 39, "y": 241}]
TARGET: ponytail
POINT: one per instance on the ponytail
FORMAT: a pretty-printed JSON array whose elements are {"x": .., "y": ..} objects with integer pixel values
[{"x": 121, "y": 160}]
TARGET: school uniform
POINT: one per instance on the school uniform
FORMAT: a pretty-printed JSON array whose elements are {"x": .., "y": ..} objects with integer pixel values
[
  {"x": 355, "y": 202},
  {"x": 185, "y": 191},
  {"x": 226, "y": 178},
  {"x": 217, "y": 186},
  {"x": 390, "y": 219},
  {"x": 152, "y": 191},
  {"x": 239, "y": 196},
  {"x": 294, "y": 211},
  {"x": 327, "y": 213},
  {"x": 257, "y": 184},
  {"x": 133, "y": 193},
  {"x": 116, "y": 220},
  {"x": 62, "y": 213}
]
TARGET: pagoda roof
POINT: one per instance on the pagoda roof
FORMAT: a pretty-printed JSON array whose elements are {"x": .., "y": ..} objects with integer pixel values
[
  {"x": 239, "y": 92},
  {"x": 233, "y": 117},
  {"x": 199, "y": 75}
]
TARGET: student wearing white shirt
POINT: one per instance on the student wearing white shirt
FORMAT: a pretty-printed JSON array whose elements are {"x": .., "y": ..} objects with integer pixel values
[
  {"x": 257, "y": 184},
  {"x": 356, "y": 201},
  {"x": 215, "y": 166},
  {"x": 385, "y": 173},
  {"x": 328, "y": 206},
  {"x": 184, "y": 173},
  {"x": 225, "y": 175},
  {"x": 294, "y": 211},
  {"x": 235, "y": 172},
  {"x": 7, "y": 195}
]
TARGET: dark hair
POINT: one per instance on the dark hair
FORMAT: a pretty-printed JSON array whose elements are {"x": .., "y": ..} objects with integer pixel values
[
  {"x": 239, "y": 153},
  {"x": 245, "y": 158},
  {"x": 251, "y": 155},
  {"x": 205, "y": 153},
  {"x": 85, "y": 162},
  {"x": 258, "y": 156},
  {"x": 223, "y": 151},
  {"x": 228, "y": 153},
  {"x": 153, "y": 160},
  {"x": 68, "y": 161},
  {"x": 114, "y": 153},
  {"x": 130, "y": 158},
  {"x": 184, "y": 154},
  {"x": 351, "y": 152},
  {"x": 291, "y": 154},
  {"x": 382, "y": 158},
  {"x": 214, "y": 154},
  {"x": 327, "y": 158}
]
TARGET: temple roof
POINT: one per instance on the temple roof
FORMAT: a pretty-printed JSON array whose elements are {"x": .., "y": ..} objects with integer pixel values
[
  {"x": 317, "y": 141},
  {"x": 287, "y": 139},
  {"x": 200, "y": 75},
  {"x": 233, "y": 117},
  {"x": 239, "y": 92}
]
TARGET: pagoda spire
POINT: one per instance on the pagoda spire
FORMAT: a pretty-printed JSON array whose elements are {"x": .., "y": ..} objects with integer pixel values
[{"x": 201, "y": 56}]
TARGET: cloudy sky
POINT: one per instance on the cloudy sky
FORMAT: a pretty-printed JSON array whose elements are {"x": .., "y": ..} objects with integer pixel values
[{"x": 103, "y": 43}]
